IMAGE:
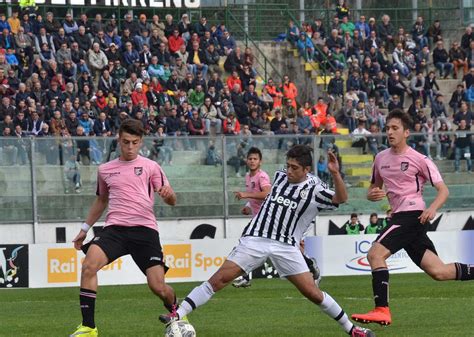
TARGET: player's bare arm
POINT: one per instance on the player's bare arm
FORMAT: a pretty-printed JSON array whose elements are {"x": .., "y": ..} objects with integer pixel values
[
  {"x": 340, "y": 196},
  {"x": 441, "y": 197},
  {"x": 253, "y": 195},
  {"x": 375, "y": 192},
  {"x": 95, "y": 212},
  {"x": 167, "y": 194}
]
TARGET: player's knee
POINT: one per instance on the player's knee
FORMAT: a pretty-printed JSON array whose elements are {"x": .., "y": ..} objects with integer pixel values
[
  {"x": 89, "y": 269},
  {"x": 373, "y": 257}
]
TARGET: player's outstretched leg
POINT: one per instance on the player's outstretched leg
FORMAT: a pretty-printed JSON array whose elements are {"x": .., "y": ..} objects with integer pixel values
[
  {"x": 380, "y": 286},
  {"x": 203, "y": 293},
  {"x": 305, "y": 284},
  {"x": 94, "y": 261},
  {"x": 156, "y": 282},
  {"x": 441, "y": 271}
]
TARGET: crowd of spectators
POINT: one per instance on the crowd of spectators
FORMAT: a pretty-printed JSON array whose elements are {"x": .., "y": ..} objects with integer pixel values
[
  {"x": 83, "y": 76},
  {"x": 375, "y": 66},
  {"x": 76, "y": 77}
]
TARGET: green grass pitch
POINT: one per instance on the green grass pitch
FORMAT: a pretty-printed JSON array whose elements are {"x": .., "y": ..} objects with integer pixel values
[{"x": 420, "y": 307}]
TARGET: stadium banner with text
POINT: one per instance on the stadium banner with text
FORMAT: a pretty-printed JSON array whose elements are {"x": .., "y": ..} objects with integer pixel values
[
  {"x": 14, "y": 266},
  {"x": 59, "y": 265},
  {"x": 347, "y": 254}
]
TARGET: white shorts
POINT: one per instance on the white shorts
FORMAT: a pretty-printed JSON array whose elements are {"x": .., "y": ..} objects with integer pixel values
[{"x": 252, "y": 251}]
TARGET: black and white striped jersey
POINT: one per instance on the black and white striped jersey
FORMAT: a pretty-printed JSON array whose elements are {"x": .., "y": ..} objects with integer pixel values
[{"x": 289, "y": 209}]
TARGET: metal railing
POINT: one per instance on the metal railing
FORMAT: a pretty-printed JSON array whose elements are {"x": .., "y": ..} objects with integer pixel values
[
  {"x": 322, "y": 69},
  {"x": 38, "y": 182},
  {"x": 263, "y": 61}
]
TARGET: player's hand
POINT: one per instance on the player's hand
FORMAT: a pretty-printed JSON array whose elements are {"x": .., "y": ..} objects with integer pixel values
[
  {"x": 376, "y": 194},
  {"x": 79, "y": 239},
  {"x": 165, "y": 192},
  {"x": 427, "y": 215},
  {"x": 239, "y": 195},
  {"x": 246, "y": 210},
  {"x": 333, "y": 164}
]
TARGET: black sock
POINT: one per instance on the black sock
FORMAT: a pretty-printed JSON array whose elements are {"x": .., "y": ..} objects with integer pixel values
[
  {"x": 87, "y": 301},
  {"x": 246, "y": 277},
  {"x": 380, "y": 287},
  {"x": 464, "y": 272}
]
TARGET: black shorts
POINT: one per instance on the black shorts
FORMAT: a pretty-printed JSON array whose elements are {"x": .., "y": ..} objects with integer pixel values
[
  {"x": 142, "y": 243},
  {"x": 406, "y": 232}
]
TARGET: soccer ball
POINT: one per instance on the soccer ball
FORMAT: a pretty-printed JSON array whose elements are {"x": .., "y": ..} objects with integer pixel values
[{"x": 180, "y": 329}]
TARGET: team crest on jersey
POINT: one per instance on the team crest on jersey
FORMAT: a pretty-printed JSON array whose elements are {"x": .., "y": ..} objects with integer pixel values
[
  {"x": 253, "y": 184},
  {"x": 404, "y": 165},
  {"x": 304, "y": 194},
  {"x": 138, "y": 171}
]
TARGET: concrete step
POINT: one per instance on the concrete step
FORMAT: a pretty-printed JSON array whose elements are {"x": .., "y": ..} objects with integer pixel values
[
  {"x": 311, "y": 66},
  {"x": 353, "y": 159},
  {"x": 320, "y": 80},
  {"x": 343, "y": 131},
  {"x": 358, "y": 171},
  {"x": 343, "y": 143}
]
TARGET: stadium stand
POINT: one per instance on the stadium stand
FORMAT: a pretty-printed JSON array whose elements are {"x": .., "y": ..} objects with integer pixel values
[{"x": 68, "y": 82}]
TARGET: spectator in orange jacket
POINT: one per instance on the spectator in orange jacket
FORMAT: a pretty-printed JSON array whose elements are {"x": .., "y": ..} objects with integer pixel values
[
  {"x": 234, "y": 79},
  {"x": 273, "y": 91},
  {"x": 320, "y": 110},
  {"x": 289, "y": 90}
]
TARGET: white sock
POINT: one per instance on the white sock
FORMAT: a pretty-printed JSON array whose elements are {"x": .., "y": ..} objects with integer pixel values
[
  {"x": 330, "y": 307},
  {"x": 197, "y": 297}
]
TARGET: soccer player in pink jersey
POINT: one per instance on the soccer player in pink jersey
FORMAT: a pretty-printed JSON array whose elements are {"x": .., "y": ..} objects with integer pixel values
[
  {"x": 402, "y": 172},
  {"x": 127, "y": 186},
  {"x": 257, "y": 183},
  {"x": 257, "y": 186}
]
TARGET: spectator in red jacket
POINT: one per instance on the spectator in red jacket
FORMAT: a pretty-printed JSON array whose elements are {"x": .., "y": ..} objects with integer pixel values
[
  {"x": 234, "y": 79},
  {"x": 175, "y": 42},
  {"x": 138, "y": 95}
]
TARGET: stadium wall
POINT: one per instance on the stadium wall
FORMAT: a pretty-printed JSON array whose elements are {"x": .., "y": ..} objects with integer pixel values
[{"x": 179, "y": 230}]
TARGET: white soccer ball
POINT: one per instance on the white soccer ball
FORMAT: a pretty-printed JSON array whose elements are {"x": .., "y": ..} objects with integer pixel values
[{"x": 180, "y": 329}]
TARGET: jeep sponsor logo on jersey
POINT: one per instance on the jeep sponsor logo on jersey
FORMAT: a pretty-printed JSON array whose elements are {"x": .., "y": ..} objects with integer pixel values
[{"x": 284, "y": 201}]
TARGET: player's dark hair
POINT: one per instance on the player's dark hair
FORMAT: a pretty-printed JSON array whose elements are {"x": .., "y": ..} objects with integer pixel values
[
  {"x": 133, "y": 127},
  {"x": 405, "y": 118},
  {"x": 303, "y": 154},
  {"x": 255, "y": 150},
  {"x": 353, "y": 215}
]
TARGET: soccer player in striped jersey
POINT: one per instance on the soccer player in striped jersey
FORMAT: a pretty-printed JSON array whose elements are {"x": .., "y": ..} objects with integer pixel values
[
  {"x": 295, "y": 199},
  {"x": 402, "y": 172},
  {"x": 126, "y": 186}
]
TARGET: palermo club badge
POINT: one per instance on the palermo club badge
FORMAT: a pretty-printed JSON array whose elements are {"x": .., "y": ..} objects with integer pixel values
[
  {"x": 138, "y": 171},
  {"x": 404, "y": 165}
]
